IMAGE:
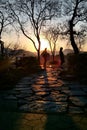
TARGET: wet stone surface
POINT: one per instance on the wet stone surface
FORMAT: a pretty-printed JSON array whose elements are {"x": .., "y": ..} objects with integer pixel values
[{"x": 45, "y": 93}]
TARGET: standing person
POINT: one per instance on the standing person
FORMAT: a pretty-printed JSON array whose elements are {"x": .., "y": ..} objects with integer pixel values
[
  {"x": 61, "y": 55},
  {"x": 45, "y": 56},
  {"x": 2, "y": 47}
]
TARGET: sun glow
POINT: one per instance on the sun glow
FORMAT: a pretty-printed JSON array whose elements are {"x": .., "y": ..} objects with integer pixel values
[{"x": 44, "y": 44}]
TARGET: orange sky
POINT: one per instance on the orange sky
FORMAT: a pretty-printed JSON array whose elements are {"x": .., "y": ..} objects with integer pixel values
[{"x": 26, "y": 44}]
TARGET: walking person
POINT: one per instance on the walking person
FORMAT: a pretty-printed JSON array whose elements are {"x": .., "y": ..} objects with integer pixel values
[{"x": 45, "y": 56}]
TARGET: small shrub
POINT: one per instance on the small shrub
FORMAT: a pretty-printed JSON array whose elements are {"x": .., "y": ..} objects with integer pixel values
[
  {"x": 77, "y": 65},
  {"x": 4, "y": 64},
  {"x": 30, "y": 64},
  {"x": 10, "y": 76}
]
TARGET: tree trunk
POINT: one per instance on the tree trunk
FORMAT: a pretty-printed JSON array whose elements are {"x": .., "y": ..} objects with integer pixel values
[
  {"x": 53, "y": 57},
  {"x": 38, "y": 53},
  {"x": 75, "y": 48},
  {"x": 39, "y": 45}
]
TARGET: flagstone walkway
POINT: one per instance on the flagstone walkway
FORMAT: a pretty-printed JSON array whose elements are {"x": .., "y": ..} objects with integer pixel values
[{"x": 47, "y": 93}]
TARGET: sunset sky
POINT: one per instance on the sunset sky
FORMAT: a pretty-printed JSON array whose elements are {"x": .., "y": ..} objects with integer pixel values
[{"x": 25, "y": 43}]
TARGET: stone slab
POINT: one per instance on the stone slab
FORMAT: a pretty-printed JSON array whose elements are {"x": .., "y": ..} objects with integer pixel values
[
  {"x": 75, "y": 110},
  {"x": 79, "y": 101},
  {"x": 42, "y": 106}
]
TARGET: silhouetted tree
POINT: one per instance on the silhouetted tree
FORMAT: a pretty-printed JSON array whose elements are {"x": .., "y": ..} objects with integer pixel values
[
  {"x": 76, "y": 13},
  {"x": 5, "y": 21},
  {"x": 52, "y": 36},
  {"x": 31, "y": 15}
]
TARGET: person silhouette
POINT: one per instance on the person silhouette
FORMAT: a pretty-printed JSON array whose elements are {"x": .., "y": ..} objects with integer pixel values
[
  {"x": 45, "y": 56},
  {"x": 2, "y": 47},
  {"x": 61, "y": 55}
]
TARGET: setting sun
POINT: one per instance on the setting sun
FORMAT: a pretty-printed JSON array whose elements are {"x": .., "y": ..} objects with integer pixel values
[{"x": 44, "y": 44}]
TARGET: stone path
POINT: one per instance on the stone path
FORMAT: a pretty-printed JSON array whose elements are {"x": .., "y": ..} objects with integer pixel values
[{"x": 47, "y": 93}]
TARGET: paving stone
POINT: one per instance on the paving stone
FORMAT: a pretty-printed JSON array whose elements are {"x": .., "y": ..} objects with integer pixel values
[
  {"x": 66, "y": 92},
  {"x": 85, "y": 110},
  {"x": 75, "y": 86},
  {"x": 42, "y": 106},
  {"x": 84, "y": 89},
  {"x": 41, "y": 77},
  {"x": 7, "y": 92},
  {"x": 26, "y": 78},
  {"x": 25, "y": 83},
  {"x": 64, "y": 88},
  {"x": 77, "y": 93},
  {"x": 75, "y": 110},
  {"x": 11, "y": 97},
  {"x": 60, "y": 81},
  {"x": 56, "y": 89},
  {"x": 69, "y": 83},
  {"x": 47, "y": 93},
  {"x": 56, "y": 85},
  {"x": 40, "y": 82},
  {"x": 59, "y": 97},
  {"x": 48, "y": 98},
  {"x": 22, "y": 102},
  {"x": 74, "y": 92},
  {"x": 42, "y": 93},
  {"x": 38, "y": 88},
  {"x": 21, "y": 86},
  {"x": 21, "y": 95},
  {"x": 78, "y": 101},
  {"x": 26, "y": 91},
  {"x": 52, "y": 79},
  {"x": 41, "y": 90},
  {"x": 52, "y": 82},
  {"x": 55, "y": 99},
  {"x": 55, "y": 93},
  {"x": 33, "y": 98}
]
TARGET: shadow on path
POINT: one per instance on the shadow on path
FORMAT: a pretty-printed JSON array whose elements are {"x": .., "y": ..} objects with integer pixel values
[
  {"x": 55, "y": 121},
  {"x": 50, "y": 120}
]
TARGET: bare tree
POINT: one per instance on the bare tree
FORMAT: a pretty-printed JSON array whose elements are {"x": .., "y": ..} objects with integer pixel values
[
  {"x": 33, "y": 14},
  {"x": 5, "y": 21},
  {"x": 52, "y": 36},
  {"x": 76, "y": 13}
]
